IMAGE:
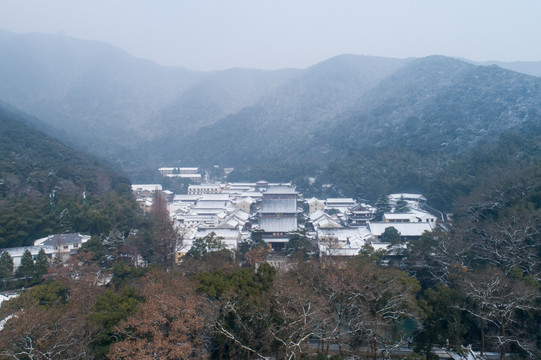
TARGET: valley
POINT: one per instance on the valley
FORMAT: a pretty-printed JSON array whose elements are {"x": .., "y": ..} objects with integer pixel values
[{"x": 356, "y": 206}]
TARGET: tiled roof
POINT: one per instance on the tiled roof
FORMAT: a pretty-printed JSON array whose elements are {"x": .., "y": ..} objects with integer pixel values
[
  {"x": 279, "y": 206},
  {"x": 278, "y": 224}
]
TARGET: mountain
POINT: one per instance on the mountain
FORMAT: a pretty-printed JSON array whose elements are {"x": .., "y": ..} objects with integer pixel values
[
  {"x": 43, "y": 180},
  {"x": 216, "y": 96},
  {"x": 95, "y": 92},
  {"x": 109, "y": 101},
  {"x": 277, "y": 126},
  {"x": 433, "y": 105},
  {"x": 366, "y": 124},
  {"x": 438, "y": 104},
  {"x": 526, "y": 67}
]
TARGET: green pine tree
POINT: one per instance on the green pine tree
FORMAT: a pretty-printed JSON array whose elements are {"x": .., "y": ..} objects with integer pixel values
[
  {"x": 42, "y": 264},
  {"x": 65, "y": 222},
  {"x": 382, "y": 206},
  {"x": 26, "y": 269},
  {"x": 391, "y": 235},
  {"x": 6, "y": 267},
  {"x": 402, "y": 206}
]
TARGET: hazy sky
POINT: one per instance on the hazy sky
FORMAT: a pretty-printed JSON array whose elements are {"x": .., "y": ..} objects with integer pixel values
[{"x": 271, "y": 34}]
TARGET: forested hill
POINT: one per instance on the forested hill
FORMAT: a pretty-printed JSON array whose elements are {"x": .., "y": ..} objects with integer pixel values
[
  {"x": 401, "y": 133},
  {"x": 436, "y": 111},
  {"x": 429, "y": 105},
  {"x": 34, "y": 166},
  {"x": 367, "y": 125}
]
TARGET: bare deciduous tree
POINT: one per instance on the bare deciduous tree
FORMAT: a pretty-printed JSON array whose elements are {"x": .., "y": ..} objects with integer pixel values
[
  {"x": 50, "y": 321},
  {"x": 497, "y": 302},
  {"x": 165, "y": 238}
]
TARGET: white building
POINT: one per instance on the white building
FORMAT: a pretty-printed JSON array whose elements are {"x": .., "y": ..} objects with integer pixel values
[
  {"x": 413, "y": 216},
  {"x": 407, "y": 230},
  {"x": 415, "y": 201},
  {"x": 204, "y": 189},
  {"x": 57, "y": 247},
  {"x": 342, "y": 242},
  {"x": 315, "y": 205}
]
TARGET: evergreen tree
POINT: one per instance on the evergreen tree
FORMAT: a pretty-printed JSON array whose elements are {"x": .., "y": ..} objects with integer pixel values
[
  {"x": 401, "y": 206},
  {"x": 65, "y": 222},
  {"x": 382, "y": 206},
  {"x": 6, "y": 267},
  {"x": 205, "y": 245},
  {"x": 391, "y": 235},
  {"x": 42, "y": 264},
  {"x": 26, "y": 269},
  {"x": 299, "y": 243}
]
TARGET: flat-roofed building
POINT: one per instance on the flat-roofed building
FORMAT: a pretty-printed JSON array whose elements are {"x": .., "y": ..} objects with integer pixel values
[
  {"x": 415, "y": 201},
  {"x": 407, "y": 230},
  {"x": 204, "y": 189},
  {"x": 190, "y": 173},
  {"x": 178, "y": 170}
]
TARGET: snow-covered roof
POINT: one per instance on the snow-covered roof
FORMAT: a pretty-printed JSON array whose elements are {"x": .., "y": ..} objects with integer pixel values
[
  {"x": 340, "y": 202},
  {"x": 240, "y": 215},
  {"x": 420, "y": 214},
  {"x": 405, "y": 229},
  {"x": 182, "y": 208},
  {"x": 400, "y": 216},
  {"x": 178, "y": 168},
  {"x": 248, "y": 200},
  {"x": 349, "y": 241},
  {"x": 251, "y": 194},
  {"x": 284, "y": 224},
  {"x": 214, "y": 197},
  {"x": 318, "y": 214},
  {"x": 147, "y": 187},
  {"x": 62, "y": 239},
  {"x": 6, "y": 296},
  {"x": 412, "y": 216},
  {"x": 281, "y": 190},
  {"x": 186, "y": 176},
  {"x": 207, "y": 211},
  {"x": 225, "y": 233},
  {"x": 279, "y": 206},
  {"x": 345, "y": 234},
  {"x": 186, "y": 198},
  {"x": 328, "y": 224},
  {"x": 219, "y": 204},
  {"x": 34, "y": 250},
  {"x": 407, "y": 196}
]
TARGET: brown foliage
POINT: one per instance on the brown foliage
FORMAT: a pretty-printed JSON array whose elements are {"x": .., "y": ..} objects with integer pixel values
[
  {"x": 50, "y": 321},
  {"x": 168, "y": 325},
  {"x": 165, "y": 237}
]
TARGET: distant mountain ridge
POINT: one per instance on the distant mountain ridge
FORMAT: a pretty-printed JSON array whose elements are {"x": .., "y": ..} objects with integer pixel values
[
  {"x": 526, "y": 67},
  {"x": 140, "y": 114}
]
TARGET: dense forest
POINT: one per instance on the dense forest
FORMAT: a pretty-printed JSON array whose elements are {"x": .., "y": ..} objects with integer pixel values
[{"x": 47, "y": 187}]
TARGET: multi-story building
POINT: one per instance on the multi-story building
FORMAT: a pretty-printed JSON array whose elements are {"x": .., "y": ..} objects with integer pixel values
[{"x": 278, "y": 215}]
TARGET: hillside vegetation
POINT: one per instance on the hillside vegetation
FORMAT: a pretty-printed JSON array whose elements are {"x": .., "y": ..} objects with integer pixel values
[
  {"x": 366, "y": 125},
  {"x": 35, "y": 167}
]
